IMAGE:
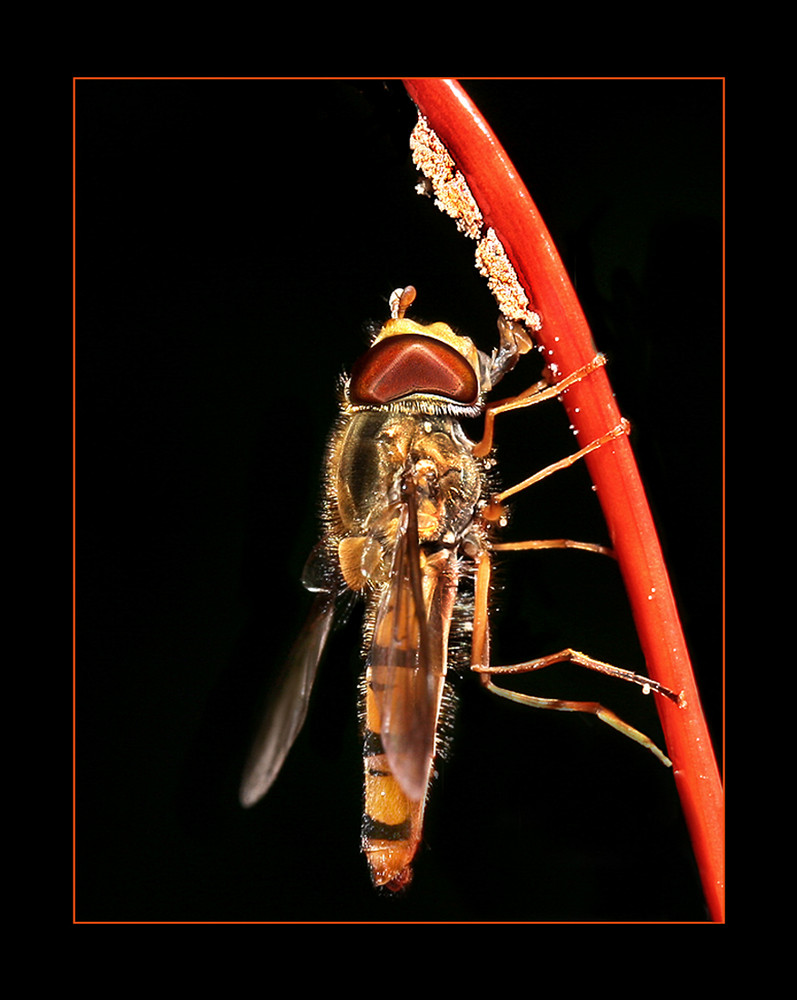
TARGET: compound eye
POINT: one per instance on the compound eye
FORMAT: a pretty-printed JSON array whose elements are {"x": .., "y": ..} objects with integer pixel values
[{"x": 409, "y": 364}]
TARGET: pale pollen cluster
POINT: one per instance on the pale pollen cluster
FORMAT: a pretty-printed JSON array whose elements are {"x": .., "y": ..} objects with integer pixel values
[{"x": 453, "y": 196}]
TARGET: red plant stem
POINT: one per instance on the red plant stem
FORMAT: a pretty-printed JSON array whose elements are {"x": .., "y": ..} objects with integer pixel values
[{"x": 565, "y": 336}]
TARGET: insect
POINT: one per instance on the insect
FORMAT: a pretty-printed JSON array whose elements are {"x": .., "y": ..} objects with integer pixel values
[{"x": 410, "y": 517}]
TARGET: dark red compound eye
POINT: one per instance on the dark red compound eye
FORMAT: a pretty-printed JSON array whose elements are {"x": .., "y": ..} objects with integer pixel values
[{"x": 408, "y": 363}]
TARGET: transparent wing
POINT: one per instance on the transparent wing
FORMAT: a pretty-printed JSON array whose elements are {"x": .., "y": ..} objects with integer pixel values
[
  {"x": 407, "y": 658},
  {"x": 287, "y": 709}
]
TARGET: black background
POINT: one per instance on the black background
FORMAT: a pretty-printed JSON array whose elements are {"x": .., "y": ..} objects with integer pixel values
[{"x": 233, "y": 236}]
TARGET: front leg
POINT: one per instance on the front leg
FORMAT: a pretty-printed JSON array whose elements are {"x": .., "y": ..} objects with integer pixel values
[{"x": 536, "y": 393}]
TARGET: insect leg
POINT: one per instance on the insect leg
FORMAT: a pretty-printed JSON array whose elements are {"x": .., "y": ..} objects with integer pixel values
[
  {"x": 536, "y": 393},
  {"x": 553, "y": 543},
  {"x": 604, "y": 714},
  {"x": 582, "y": 660},
  {"x": 622, "y": 428},
  {"x": 480, "y": 656},
  {"x": 480, "y": 642},
  {"x": 580, "y": 706}
]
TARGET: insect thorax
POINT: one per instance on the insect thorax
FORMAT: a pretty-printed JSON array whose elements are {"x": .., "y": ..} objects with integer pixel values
[{"x": 370, "y": 455}]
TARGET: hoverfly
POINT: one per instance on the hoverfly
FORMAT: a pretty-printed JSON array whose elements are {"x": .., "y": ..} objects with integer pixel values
[{"x": 409, "y": 516}]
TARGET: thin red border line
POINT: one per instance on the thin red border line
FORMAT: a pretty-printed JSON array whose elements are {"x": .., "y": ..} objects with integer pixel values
[
  {"x": 508, "y": 208},
  {"x": 74, "y": 505},
  {"x": 90, "y": 78},
  {"x": 380, "y": 922}
]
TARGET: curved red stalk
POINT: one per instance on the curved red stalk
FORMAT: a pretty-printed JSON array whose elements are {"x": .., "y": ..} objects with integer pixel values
[{"x": 565, "y": 336}]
